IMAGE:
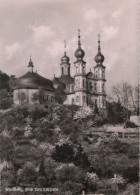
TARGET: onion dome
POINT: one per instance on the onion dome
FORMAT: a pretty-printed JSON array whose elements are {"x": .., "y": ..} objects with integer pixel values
[
  {"x": 79, "y": 53},
  {"x": 30, "y": 64},
  {"x": 99, "y": 58},
  {"x": 65, "y": 58}
]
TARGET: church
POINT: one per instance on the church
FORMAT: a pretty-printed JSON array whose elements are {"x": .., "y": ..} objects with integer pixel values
[{"x": 83, "y": 89}]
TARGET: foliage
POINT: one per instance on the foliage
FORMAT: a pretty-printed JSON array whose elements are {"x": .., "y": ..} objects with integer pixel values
[
  {"x": 47, "y": 149},
  {"x": 130, "y": 124},
  {"x": 63, "y": 153},
  {"x": 60, "y": 95},
  {"x": 81, "y": 158},
  {"x": 116, "y": 113}
]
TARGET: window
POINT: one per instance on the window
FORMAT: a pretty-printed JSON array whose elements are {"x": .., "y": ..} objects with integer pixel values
[
  {"x": 95, "y": 86},
  {"x": 83, "y": 83},
  {"x": 72, "y": 101},
  {"x": 77, "y": 98},
  {"x": 84, "y": 98},
  {"x": 62, "y": 71},
  {"x": 96, "y": 102},
  {"x": 103, "y": 87},
  {"x": 72, "y": 88},
  {"x": 47, "y": 98},
  {"x": 77, "y": 83},
  {"x": 90, "y": 85}
]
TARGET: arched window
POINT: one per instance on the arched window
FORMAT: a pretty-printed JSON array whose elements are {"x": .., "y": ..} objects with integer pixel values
[
  {"x": 103, "y": 87},
  {"x": 47, "y": 98},
  {"x": 72, "y": 101},
  {"x": 72, "y": 88},
  {"x": 62, "y": 71},
  {"x": 95, "y": 86},
  {"x": 77, "y": 98},
  {"x": 84, "y": 98},
  {"x": 83, "y": 83},
  {"x": 96, "y": 102},
  {"x": 77, "y": 83},
  {"x": 103, "y": 73},
  {"x": 90, "y": 85}
]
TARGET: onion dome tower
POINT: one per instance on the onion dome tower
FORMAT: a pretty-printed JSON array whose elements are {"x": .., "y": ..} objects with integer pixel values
[
  {"x": 30, "y": 65},
  {"x": 99, "y": 58},
  {"x": 99, "y": 71},
  {"x": 80, "y": 75},
  {"x": 65, "y": 65}
]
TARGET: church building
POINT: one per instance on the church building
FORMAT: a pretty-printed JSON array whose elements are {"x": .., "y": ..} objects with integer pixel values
[{"x": 85, "y": 88}]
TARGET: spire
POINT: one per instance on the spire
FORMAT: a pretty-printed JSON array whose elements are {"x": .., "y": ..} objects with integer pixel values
[
  {"x": 99, "y": 48},
  {"x": 65, "y": 47},
  {"x": 79, "y": 42}
]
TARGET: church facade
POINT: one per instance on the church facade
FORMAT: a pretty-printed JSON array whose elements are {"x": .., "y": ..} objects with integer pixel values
[{"x": 85, "y": 88}]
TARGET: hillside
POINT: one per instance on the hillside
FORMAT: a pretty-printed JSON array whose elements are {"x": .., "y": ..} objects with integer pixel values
[{"x": 46, "y": 148}]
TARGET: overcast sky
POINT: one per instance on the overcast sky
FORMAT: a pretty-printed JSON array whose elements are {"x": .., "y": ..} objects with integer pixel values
[{"x": 38, "y": 27}]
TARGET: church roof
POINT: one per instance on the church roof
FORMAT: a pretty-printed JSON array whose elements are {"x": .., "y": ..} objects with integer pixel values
[
  {"x": 32, "y": 80},
  {"x": 67, "y": 80}
]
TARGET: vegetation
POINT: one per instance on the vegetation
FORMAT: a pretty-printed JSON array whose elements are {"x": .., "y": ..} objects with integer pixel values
[{"x": 45, "y": 148}]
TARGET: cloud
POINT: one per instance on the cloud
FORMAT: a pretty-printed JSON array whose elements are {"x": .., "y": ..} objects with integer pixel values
[
  {"x": 110, "y": 32},
  {"x": 117, "y": 13},
  {"x": 111, "y": 60},
  {"x": 41, "y": 33},
  {"x": 11, "y": 50},
  {"x": 57, "y": 48},
  {"x": 91, "y": 15}
]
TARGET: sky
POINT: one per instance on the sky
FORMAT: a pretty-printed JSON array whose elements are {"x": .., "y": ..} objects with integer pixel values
[{"x": 39, "y": 28}]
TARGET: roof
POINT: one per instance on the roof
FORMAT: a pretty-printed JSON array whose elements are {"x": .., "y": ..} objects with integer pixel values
[
  {"x": 67, "y": 80},
  {"x": 99, "y": 65},
  {"x": 32, "y": 80}
]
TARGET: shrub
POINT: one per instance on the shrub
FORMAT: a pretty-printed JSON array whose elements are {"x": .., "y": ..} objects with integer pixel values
[
  {"x": 37, "y": 111},
  {"x": 129, "y": 124},
  {"x": 63, "y": 153}
]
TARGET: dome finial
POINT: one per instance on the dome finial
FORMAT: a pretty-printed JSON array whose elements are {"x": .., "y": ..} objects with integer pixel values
[
  {"x": 99, "y": 48},
  {"x": 30, "y": 57},
  {"x": 65, "y": 47},
  {"x": 79, "y": 42}
]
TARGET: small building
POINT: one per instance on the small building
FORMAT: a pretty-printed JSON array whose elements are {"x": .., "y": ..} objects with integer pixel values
[{"x": 32, "y": 88}]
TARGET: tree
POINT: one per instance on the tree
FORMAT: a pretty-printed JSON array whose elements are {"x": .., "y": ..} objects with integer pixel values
[
  {"x": 81, "y": 158},
  {"x": 126, "y": 95},
  {"x": 5, "y": 101},
  {"x": 63, "y": 153},
  {"x": 60, "y": 95},
  {"x": 4, "y": 81}
]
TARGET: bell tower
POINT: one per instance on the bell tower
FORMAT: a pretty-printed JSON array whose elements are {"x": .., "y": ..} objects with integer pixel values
[
  {"x": 80, "y": 75},
  {"x": 65, "y": 65},
  {"x": 99, "y": 71}
]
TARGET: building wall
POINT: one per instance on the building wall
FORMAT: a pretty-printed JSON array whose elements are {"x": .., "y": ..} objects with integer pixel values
[{"x": 32, "y": 96}]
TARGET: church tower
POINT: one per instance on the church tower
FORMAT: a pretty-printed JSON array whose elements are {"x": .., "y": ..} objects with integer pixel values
[
  {"x": 99, "y": 71},
  {"x": 65, "y": 65},
  {"x": 80, "y": 75}
]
